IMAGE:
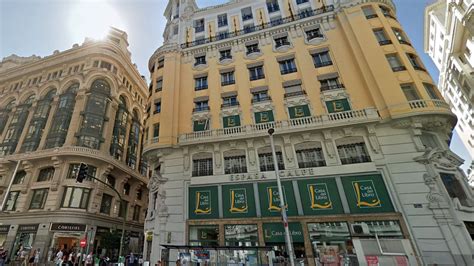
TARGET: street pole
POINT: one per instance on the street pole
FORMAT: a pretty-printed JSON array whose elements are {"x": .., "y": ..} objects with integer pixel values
[
  {"x": 288, "y": 240},
  {"x": 10, "y": 186}
]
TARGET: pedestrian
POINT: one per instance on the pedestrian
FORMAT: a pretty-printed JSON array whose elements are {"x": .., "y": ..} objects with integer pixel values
[
  {"x": 31, "y": 257},
  {"x": 89, "y": 259},
  {"x": 59, "y": 257},
  {"x": 3, "y": 256},
  {"x": 37, "y": 257},
  {"x": 131, "y": 259},
  {"x": 178, "y": 262}
]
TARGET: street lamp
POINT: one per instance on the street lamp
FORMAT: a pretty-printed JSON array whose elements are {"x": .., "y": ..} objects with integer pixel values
[
  {"x": 289, "y": 244},
  {"x": 10, "y": 185}
]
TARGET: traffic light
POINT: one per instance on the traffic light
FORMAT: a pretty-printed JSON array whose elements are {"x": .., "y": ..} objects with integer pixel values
[{"x": 82, "y": 172}]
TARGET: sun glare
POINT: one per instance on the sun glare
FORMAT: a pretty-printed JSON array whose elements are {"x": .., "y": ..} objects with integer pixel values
[{"x": 92, "y": 19}]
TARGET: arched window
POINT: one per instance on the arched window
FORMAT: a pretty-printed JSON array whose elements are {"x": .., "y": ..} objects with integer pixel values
[
  {"x": 4, "y": 114},
  {"x": 17, "y": 123},
  {"x": 58, "y": 132},
  {"x": 120, "y": 130},
  {"x": 90, "y": 134},
  {"x": 133, "y": 140},
  {"x": 40, "y": 116}
]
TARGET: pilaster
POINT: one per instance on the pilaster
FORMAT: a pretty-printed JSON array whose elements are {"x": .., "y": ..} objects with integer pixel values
[{"x": 74, "y": 125}]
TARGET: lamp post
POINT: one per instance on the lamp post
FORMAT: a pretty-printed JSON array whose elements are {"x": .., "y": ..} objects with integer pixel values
[
  {"x": 289, "y": 244},
  {"x": 5, "y": 198}
]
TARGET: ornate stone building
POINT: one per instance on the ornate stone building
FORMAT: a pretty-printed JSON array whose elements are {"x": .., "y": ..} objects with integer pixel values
[
  {"x": 361, "y": 136},
  {"x": 85, "y": 104}
]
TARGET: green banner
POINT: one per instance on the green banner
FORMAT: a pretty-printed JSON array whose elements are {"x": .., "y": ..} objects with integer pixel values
[
  {"x": 203, "y": 203},
  {"x": 238, "y": 201},
  {"x": 338, "y": 106},
  {"x": 200, "y": 125},
  {"x": 270, "y": 199},
  {"x": 264, "y": 117},
  {"x": 320, "y": 196},
  {"x": 367, "y": 194},
  {"x": 299, "y": 111},
  {"x": 231, "y": 121},
  {"x": 275, "y": 232}
]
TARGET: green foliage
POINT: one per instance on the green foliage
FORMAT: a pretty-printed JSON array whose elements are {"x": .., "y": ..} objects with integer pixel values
[{"x": 111, "y": 240}]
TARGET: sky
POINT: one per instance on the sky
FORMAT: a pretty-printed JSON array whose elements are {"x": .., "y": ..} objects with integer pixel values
[{"x": 40, "y": 27}]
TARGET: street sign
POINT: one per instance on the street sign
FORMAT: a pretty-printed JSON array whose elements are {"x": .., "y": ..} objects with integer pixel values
[{"x": 83, "y": 243}]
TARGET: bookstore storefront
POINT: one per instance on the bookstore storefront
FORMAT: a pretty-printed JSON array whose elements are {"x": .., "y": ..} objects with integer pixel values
[{"x": 331, "y": 221}]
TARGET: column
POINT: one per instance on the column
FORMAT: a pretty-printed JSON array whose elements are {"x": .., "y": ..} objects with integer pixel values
[
  {"x": 74, "y": 124},
  {"x": 47, "y": 127}
]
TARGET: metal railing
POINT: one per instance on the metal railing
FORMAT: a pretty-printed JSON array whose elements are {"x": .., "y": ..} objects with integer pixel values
[
  {"x": 261, "y": 99},
  {"x": 266, "y": 25},
  {"x": 294, "y": 93},
  {"x": 332, "y": 87}
]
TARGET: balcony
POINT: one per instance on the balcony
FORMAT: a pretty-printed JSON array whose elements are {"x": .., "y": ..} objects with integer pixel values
[
  {"x": 267, "y": 25},
  {"x": 227, "y": 82},
  {"x": 399, "y": 68},
  {"x": 288, "y": 70},
  {"x": 385, "y": 42},
  {"x": 285, "y": 126},
  {"x": 294, "y": 94},
  {"x": 199, "y": 29},
  {"x": 224, "y": 105},
  {"x": 222, "y": 58},
  {"x": 323, "y": 64},
  {"x": 421, "y": 104},
  {"x": 252, "y": 50},
  {"x": 201, "y": 109},
  {"x": 261, "y": 99},
  {"x": 256, "y": 77},
  {"x": 332, "y": 87},
  {"x": 282, "y": 43}
]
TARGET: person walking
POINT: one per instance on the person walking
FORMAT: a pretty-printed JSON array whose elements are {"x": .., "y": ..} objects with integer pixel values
[
  {"x": 37, "y": 257},
  {"x": 3, "y": 256},
  {"x": 89, "y": 259}
]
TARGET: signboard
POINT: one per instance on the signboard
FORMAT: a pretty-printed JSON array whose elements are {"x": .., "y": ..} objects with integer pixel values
[
  {"x": 4, "y": 228},
  {"x": 202, "y": 254},
  {"x": 238, "y": 201},
  {"x": 102, "y": 230},
  {"x": 367, "y": 194},
  {"x": 270, "y": 199},
  {"x": 275, "y": 232},
  {"x": 203, "y": 203},
  {"x": 372, "y": 260},
  {"x": 83, "y": 243},
  {"x": 320, "y": 196},
  {"x": 66, "y": 227},
  {"x": 27, "y": 228}
]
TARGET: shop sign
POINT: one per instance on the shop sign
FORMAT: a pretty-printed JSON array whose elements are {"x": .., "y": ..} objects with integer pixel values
[
  {"x": 102, "y": 230},
  {"x": 238, "y": 201},
  {"x": 296, "y": 172},
  {"x": 27, "y": 228},
  {"x": 83, "y": 243},
  {"x": 247, "y": 176},
  {"x": 65, "y": 227},
  {"x": 4, "y": 228},
  {"x": 275, "y": 232},
  {"x": 149, "y": 236},
  {"x": 367, "y": 194},
  {"x": 203, "y": 203},
  {"x": 270, "y": 199},
  {"x": 372, "y": 260},
  {"x": 320, "y": 196},
  {"x": 202, "y": 254}
]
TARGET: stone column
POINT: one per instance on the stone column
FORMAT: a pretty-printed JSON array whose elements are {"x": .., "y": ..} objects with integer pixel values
[
  {"x": 74, "y": 125},
  {"x": 26, "y": 126},
  {"x": 47, "y": 126}
]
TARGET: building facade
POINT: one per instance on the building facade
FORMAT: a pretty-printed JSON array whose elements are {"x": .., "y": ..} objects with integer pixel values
[
  {"x": 449, "y": 31},
  {"x": 361, "y": 137},
  {"x": 85, "y": 104}
]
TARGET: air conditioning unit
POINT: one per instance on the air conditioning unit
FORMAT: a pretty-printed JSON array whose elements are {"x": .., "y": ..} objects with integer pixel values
[{"x": 361, "y": 229}]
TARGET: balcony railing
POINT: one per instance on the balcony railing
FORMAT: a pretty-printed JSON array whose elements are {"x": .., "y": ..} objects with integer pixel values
[
  {"x": 420, "y": 104},
  {"x": 227, "y": 82},
  {"x": 229, "y": 104},
  {"x": 255, "y": 77},
  {"x": 309, "y": 122},
  {"x": 201, "y": 109},
  {"x": 323, "y": 64},
  {"x": 332, "y": 87},
  {"x": 280, "y": 44},
  {"x": 261, "y": 99},
  {"x": 294, "y": 94},
  {"x": 288, "y": 70},
  {"x": 285, "y": 20},
  {"x": 398, "y": 68},
  {"x": 385, "y": 42}
]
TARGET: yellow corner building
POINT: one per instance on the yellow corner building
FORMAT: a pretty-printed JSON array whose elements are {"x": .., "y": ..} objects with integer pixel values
[{"x": 361, "y": 136}]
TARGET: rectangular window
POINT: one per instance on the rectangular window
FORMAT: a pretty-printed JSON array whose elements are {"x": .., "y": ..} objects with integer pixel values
[
  {"x": 136, "y": 213},
  {"x": 266, "y": 161},
  {"x": 231, "y": 121},
  {"x": 430, "y": 89},
  {"x": 201, "y": 125},
  {"x": 252, "y": 48},
  {"x": 260, "y": 96},
  {"x": 221, "y": 35},
  {"x": 272, "y": 6},
  {"x": 310, "y": 158},
  {"x": 73, "y": 168},
  {"x": 401, "y": 36},
  {"x": 415, "y": 62},
  {"x": 161, "y": 63},
  {"x": 454, "y": 188},
  {"x": 225, "y": 54},
  {"x": 313, "y": 33},
  {"x": 338, "y": 106},
  {"x": 282, "y": 41},
  {"x": 227, "y": 78},
  {"x": 19, "y": 177},
  {"x": 287, "y": 66},
  {"x": 248, "y": 28},
  {"x": 369, "y": 12},
  {"x": 199, "y": 25},
  {"x": 200, "y": 60},
  {"x": 156, "y": 130},
  {"x": 229, "y": 101},
  {"x": 222, "y": 20},
  {"x": 382, "y": 37},
  {"x": 322, "y": 59},
  {"x": 395, "y": 63},
  {"x": 106, "y": 203},
  {"x": 256, "y": 73},
  {"x": 410, "y": 92},
  {"x": 293, "y": 90},
  {"x": 201, "y": 106},
  {"x": 299, "y": 111},
  {"x": 159, "y": 84},
  {"x": 200, "y": 83},
  {"x": 275, "y": 21},
  {"x": 202, "y": 167},
  {"x": 203, "y": 235},
  {"x": 353, "y": 153},
  {"x": 10, "y": 204},
  {"x": 386, "y": 11},
  {"x": 235, "y": 164},
  {"x": 39, "y": 198},
  {"x": 45, "y": 174},
  {"x": 123, "y": 208},
  {"x": 75, "y": 197},
  {"x": 157, "y": 108},
  {"x": 299, "y": 2},
  {"x": 246, "y": 13},
  {"x": 264, "y": 117},
  {"x": 330, "y": 84}
]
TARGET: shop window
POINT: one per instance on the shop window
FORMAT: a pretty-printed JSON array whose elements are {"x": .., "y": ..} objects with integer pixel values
[
  {"x": 299, "y": 111},
  {"x": 310, "y": 154},
  {"x": 75, "y": 197},
  {"x": 335, "y": 106},
  {"x": 201, "y": 125},
  {"x": 126, "y": 189},
  {"x": 235, "y": 162},
  {"x": 19, "y": 177},
  {"x": 202, "y": 165},
  {"x": 203, "y": 235},
  {"x": 331, "y": 243},
  {"x": 106, "y": 203},
  {"x": 10, "y": 204},
  {"x": 231, "y": 121},
  {"x": 123, "y": 208},
  {"x": 395, "y": 63},
  {"x": 265, "y": 159},
  {"x": 287, "y": 66},
  {"x": 39, "y": 198},
  {"x": 45, "y": 174},
  {"x": 243, "y": 235},
  {"x": 73, "y": 168},
  {"x": 388, "y": 229},
  {"x": 62, "y": 118},
  {"x": 136, "y": 213},
  {"x": 256, "y": 73},
  {"x": 120, "y": 130},
  {"x": 264, "y": 117},
  {"x": 352, "y": 150},
  {"x": 454, "y": 188},
  {"x": 410, "y": 92}
]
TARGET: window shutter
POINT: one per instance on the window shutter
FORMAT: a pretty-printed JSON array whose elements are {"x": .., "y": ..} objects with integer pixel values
[{"x": 264, "y": 117}]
